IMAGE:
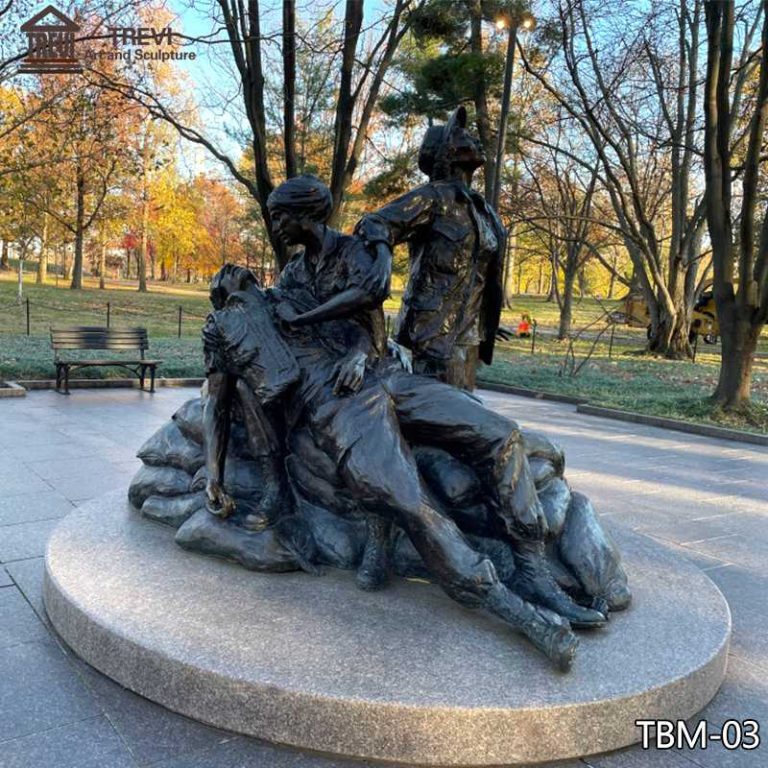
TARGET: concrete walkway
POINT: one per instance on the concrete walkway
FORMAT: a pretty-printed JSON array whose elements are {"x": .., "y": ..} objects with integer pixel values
[{"x": 704, "y": 498}]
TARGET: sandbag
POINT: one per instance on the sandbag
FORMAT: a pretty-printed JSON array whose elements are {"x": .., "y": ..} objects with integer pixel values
[
  {"x": 339, "y": 540},
  {"x": 173, "y": 510},
  {"x": 189, "y": 419},
  {"x": 555, "y": 497},
  {"x": 268, "y": 550},
  {"x": 543, "y": 470},
  {"x": 158, "y": 481},
  {"x": 169, "y": 447},
  {"x": 242, "y": 478},
  {"x": 540, "y": 446},
  {"x": 589, "y": 552}
]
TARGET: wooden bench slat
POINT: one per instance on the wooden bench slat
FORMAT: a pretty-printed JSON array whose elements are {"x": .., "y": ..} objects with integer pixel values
[
  {"x": 111, "y": 362},
  {"x": 96, "y": 335},
  {"x": 105, "y": 345},
  {"x": 95, "y": 329}
]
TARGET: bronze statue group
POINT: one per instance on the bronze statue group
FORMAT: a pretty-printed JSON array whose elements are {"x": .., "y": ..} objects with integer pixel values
[{"x": 317, "y": 441}]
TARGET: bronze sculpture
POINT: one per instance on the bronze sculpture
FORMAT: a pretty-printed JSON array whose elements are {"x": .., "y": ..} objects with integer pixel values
[
  {"x": 452, "y": 303},
  {"x": 446, "y": 488}
]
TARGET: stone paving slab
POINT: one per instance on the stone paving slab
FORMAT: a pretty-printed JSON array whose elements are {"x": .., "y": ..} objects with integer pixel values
[
  {"x": 150, "y": 732},
  {"x": 28, "y": 577},
  {"x": 18, "y": 623},
  {"x": 743, "y": 696},
  {"x": 39, "y": 690},
  {"x": 91, "y": 743},
  {"x": 30, "y": 506},
  {"x": 24, "y": 540},
  {"x": 614, "y": 463},
  {"x": 747, "y": 596},
  {"x": 5, "y": 578}
]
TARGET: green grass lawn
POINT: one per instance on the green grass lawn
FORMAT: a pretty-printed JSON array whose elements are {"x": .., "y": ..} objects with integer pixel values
[
  {"x": 31, "y": 357},
  {"x": 157, "y": 311},
  {"x": 629, "y": 379}
]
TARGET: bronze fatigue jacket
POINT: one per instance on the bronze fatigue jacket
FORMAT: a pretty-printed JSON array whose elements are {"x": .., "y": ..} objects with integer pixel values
[{"x": 454, "y": 293}]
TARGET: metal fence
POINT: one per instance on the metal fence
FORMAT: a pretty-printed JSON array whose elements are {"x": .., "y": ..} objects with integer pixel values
[{"x": 30, "y": 315}]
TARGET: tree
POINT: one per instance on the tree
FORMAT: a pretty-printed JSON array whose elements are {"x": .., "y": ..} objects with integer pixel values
[
  {"x": 365, "y": 59},
  {"x": 739, "y": 247},
  {"x": 560, "y": 210},
  {"x": 631, "y": 87},
  {"x": 86, "y": 138},
  {"x": 448, "y": 62}
]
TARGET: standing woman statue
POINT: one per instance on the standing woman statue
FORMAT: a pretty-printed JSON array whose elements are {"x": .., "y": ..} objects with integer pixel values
[{"x": 452, "y": 303}]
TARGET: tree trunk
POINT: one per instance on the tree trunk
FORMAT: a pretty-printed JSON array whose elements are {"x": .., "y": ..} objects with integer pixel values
[
  {"x": 739, "y": 342},
  {"x": 342, "y": 131},
  {"x": 481, "y": 96},
  {"x": 102, "y": 265},
  {"x": 552, "y": 294},
  {"x": 509, "y": 266},
  {"x": 42, "y": 264},
  {"x": 612, "y": 283},
  {"x": 289, "y": 86},
  {"x": 670, "y": 336},
  {"x": 4, "y": 263},
  {"x": 566, "y": 306},
  {"x": 77, "y": 266},
  {"x": 20, "y": 286},
  {"x": 141, "y": 253},
  {"x": 66, "y": 263}
]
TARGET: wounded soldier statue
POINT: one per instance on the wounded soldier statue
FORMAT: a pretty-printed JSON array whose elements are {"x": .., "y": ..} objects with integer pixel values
[{"x": 314, "y": 445}]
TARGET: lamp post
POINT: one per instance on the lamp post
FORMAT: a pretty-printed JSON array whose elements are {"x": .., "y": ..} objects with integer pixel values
[{"x": 513, "y": 23}]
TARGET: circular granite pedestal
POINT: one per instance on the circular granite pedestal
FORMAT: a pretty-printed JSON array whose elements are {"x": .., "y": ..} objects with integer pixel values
[{"x": 404, "y": 675}]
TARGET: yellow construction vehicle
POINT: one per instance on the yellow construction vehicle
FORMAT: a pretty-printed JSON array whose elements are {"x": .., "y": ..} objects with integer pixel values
[{"x": 703, "y": 320}]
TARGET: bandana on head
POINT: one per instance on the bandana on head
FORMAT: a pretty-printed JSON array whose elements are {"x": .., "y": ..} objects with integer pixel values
[{"x": 303, "y": 194}]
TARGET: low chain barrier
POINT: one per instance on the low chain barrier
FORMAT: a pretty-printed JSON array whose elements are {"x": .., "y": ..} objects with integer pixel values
[{"x": 177, "y": 320}]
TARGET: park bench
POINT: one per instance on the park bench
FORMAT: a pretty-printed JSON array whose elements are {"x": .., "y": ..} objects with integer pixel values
[{"x": 83, "y": 337}]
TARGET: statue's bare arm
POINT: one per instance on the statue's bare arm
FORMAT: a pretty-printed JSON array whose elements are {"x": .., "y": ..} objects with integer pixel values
[{"x": 216, "y": 424}]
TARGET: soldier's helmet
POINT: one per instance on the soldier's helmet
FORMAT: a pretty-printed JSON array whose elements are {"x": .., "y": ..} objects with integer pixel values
[{"x": 444, "y": 145}]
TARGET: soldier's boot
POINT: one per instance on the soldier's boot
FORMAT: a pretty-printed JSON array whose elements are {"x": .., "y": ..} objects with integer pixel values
[
  {"x": 274, "y": 493},
  {"x": 373, "y": 571},
  {"x": 534, "y": 581},
  {"x": 550, "y": 634}
]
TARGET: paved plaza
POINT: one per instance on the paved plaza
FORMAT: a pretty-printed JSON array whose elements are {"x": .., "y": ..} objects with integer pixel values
[{"x": 704, "y": 498}]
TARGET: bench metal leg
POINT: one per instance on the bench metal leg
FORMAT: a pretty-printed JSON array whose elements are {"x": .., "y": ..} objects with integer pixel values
[
  {"x": 62, "y": 378},
  {"x": 141, "y": 377},
  {"x": 152, "y": 378}
]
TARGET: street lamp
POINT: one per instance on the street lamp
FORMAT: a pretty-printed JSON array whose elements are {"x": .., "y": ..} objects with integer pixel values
[{"x": 527, "y": 22}]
